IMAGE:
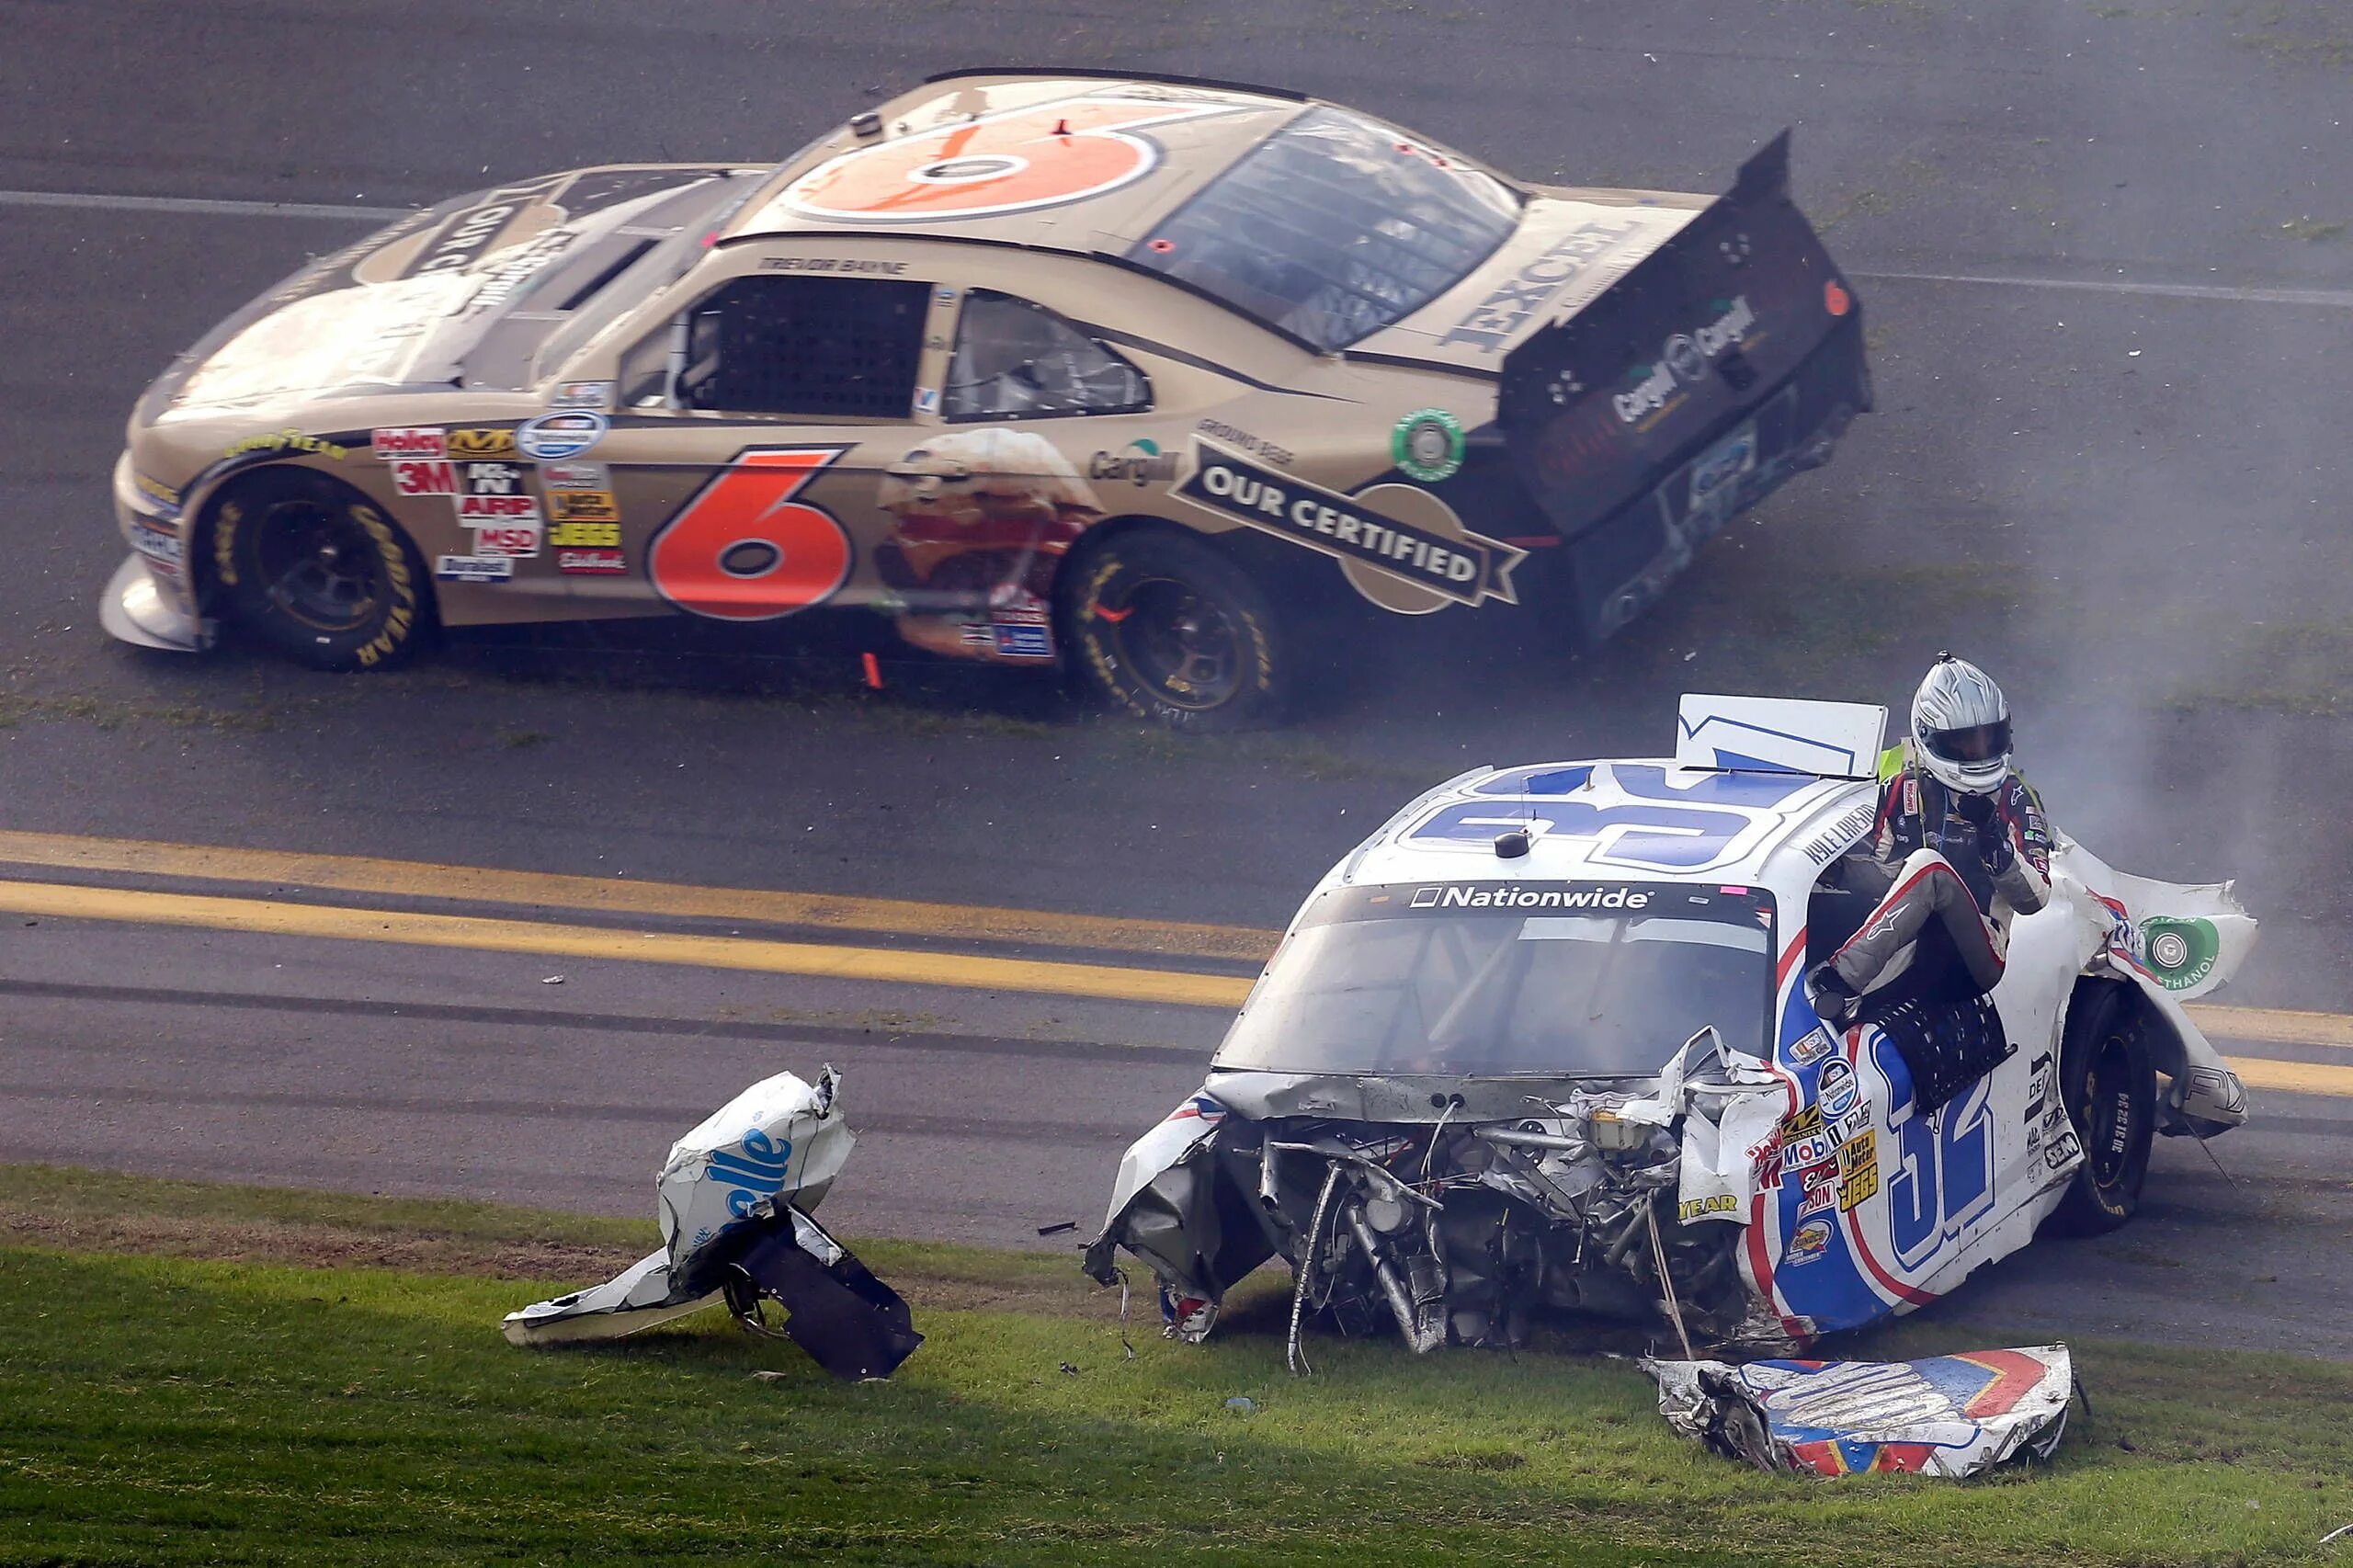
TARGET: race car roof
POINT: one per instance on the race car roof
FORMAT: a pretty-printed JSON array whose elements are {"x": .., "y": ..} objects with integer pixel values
[
  {"x": 1100, "y": 159},
  {"x": 1627, "y": 821}
]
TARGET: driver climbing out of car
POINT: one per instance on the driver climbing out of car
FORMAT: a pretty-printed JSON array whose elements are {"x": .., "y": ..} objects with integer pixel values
[{"x": 1959, "y": 847}]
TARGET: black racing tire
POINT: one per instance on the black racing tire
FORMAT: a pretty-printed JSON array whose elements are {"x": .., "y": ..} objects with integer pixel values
[
  {"x": 317, "y": 573},
  {"x": 1171, "y": 631},
  {"x": 2110, "y": 1087}
]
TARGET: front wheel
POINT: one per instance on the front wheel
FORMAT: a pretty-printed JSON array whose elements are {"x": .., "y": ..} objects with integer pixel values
[
  {"x": 317, "y": 573},
  {"x": 2111, "y": 1090},
  {"x": 1172, "y": 631}
]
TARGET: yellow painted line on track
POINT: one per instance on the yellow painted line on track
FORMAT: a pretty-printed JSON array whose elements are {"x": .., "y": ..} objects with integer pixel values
[
  {"x": 615, "y": 895},
  {"x": 2273, "y": 1026},
  {"x": 268, "y": 917},
  {"x": 2293, "y": 1077},
  {"x": 620, "y": 895}
]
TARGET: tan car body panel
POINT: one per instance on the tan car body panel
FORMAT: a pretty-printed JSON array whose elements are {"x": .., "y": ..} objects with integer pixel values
[{"x": 1249, "y": 430}]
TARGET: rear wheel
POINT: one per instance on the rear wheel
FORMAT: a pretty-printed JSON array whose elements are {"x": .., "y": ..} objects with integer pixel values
[
  {"x": 1172, "y": 631},
  {"x": 318, "y": 573},
  {"x": 2111, "y": 1090}
]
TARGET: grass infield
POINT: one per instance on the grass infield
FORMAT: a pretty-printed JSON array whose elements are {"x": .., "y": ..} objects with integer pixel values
[{"x": 192, "y": 1373}]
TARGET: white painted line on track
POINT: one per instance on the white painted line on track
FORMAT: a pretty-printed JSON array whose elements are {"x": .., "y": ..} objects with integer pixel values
[
  {"x": 203, "y": 206},
  {"x": 2320, "y": 299}
]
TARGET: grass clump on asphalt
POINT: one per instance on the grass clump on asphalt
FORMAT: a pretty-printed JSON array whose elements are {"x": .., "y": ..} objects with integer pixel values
[{"x": 160, "y": 1407}]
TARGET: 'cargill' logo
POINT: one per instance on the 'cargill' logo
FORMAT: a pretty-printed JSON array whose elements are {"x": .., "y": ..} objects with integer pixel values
[{"x": 1143, "y": 463}]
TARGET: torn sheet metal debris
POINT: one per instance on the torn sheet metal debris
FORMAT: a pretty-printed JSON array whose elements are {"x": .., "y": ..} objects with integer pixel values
[
  {"x": 1947, "y": 1416},
  {"x": 734, "y": 1199}
]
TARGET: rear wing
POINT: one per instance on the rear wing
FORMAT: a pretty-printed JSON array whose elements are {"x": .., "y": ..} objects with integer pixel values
[
  {"x": 1722, "y": 363},
  {"x": 1778, "y": 734}
]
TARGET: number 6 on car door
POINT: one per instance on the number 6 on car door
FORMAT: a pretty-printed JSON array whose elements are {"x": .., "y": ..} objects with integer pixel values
[{"x": 742, "y": 549}]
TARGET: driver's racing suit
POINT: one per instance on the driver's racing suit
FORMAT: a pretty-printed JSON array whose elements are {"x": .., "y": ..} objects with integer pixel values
[{"x": 1969, "y": 861}]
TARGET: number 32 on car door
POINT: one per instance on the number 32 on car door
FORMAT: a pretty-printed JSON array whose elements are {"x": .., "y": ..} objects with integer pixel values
[
  {"x": 1942, "y": 1179},
  {"x": 743, "y": 548}
]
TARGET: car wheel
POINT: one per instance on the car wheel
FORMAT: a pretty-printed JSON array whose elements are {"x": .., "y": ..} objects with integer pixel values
[
  {"x": 1172, "y": 631},
  {"x": 2111, "y": 1090},
  {"x": 315, "y": 571}
]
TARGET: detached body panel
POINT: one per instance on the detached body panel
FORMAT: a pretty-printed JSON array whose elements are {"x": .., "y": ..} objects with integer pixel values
[{"x": 732, "y": 1201}]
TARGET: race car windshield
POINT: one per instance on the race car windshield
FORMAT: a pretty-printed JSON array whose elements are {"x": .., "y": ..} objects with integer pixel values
[
  {"x": 1562, "y": 981},
  {"x": 1332, "y": 228}
]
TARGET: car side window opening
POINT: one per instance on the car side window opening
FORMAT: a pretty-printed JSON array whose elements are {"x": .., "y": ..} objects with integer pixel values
[
  {"x": 822, "y": 348},
  {"x": 1017, "y": 360}
]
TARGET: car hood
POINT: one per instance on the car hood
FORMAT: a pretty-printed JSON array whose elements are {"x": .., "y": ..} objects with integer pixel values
[
  {"x": 462, "y": 294},
  {"x": 1401, "y": 1098},
  {"x": 1570, "y": 246}
]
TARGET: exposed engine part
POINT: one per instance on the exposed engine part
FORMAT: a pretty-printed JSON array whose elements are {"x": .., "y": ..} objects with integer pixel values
[
  {"x": 1666, "y": 1280},
  {"x": 1423, "y": 1330},
  {"x": 1465, "y": 1234},
  {"x": 1294, "y": 1353}
]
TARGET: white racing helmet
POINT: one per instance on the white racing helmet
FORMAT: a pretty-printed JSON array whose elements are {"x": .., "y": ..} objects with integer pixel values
[{"x": 1960, "y": 727}]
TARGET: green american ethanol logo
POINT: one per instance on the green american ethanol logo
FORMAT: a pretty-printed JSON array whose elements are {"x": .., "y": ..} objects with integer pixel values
[{"x": 2180, "y": 953}]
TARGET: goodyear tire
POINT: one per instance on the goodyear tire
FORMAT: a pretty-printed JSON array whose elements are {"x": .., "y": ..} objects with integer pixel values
[
  {"x": 2111, "y": 1090},
  {"x": 316, "y": 572},
  {"x": 1172, "y": 631}
]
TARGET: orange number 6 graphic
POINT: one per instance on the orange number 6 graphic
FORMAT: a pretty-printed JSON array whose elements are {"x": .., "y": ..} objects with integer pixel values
[
  {"x": 1011, "y": 162},
  {"x": 742, "y": 549}
]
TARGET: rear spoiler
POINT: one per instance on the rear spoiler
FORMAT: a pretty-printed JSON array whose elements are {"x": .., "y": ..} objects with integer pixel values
[
  {"x": 1737, "y": 341},
  {"x": 1778, "y": 734}
]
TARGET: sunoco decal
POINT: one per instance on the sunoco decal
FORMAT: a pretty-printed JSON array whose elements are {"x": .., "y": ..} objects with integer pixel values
[{"x": 1467, "y": 569}]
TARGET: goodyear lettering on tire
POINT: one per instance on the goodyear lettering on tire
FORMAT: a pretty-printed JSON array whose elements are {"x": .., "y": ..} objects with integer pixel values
[
  {"x": 224, "y": 543},
  {"x": 400, "y": 620}
]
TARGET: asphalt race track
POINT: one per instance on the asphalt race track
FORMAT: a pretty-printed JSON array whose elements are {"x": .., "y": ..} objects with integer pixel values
[{"x": 2108, "y": 264}]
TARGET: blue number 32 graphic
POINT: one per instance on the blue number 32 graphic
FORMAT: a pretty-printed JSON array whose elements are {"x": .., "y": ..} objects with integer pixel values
[{"x": 1943, "y": 1176}]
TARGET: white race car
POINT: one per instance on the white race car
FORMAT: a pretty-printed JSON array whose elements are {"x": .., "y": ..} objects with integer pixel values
[{"x": 1539, "y": 1046}]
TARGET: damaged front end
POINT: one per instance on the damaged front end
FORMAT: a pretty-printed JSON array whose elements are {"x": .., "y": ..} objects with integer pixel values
[
  {"x": 734, "y": 1198},
  {"x": 1461, "y": 1210}
]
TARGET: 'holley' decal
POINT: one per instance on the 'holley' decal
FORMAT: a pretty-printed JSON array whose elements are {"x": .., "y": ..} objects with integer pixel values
[{"x": 1468, "y": 568}]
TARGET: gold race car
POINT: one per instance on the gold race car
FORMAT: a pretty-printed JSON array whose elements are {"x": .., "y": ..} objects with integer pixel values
[{"x": 1129, "y": 374}]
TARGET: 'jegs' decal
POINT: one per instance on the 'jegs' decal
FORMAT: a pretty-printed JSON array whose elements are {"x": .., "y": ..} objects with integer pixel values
[{"x": 1467, "y": 569}]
